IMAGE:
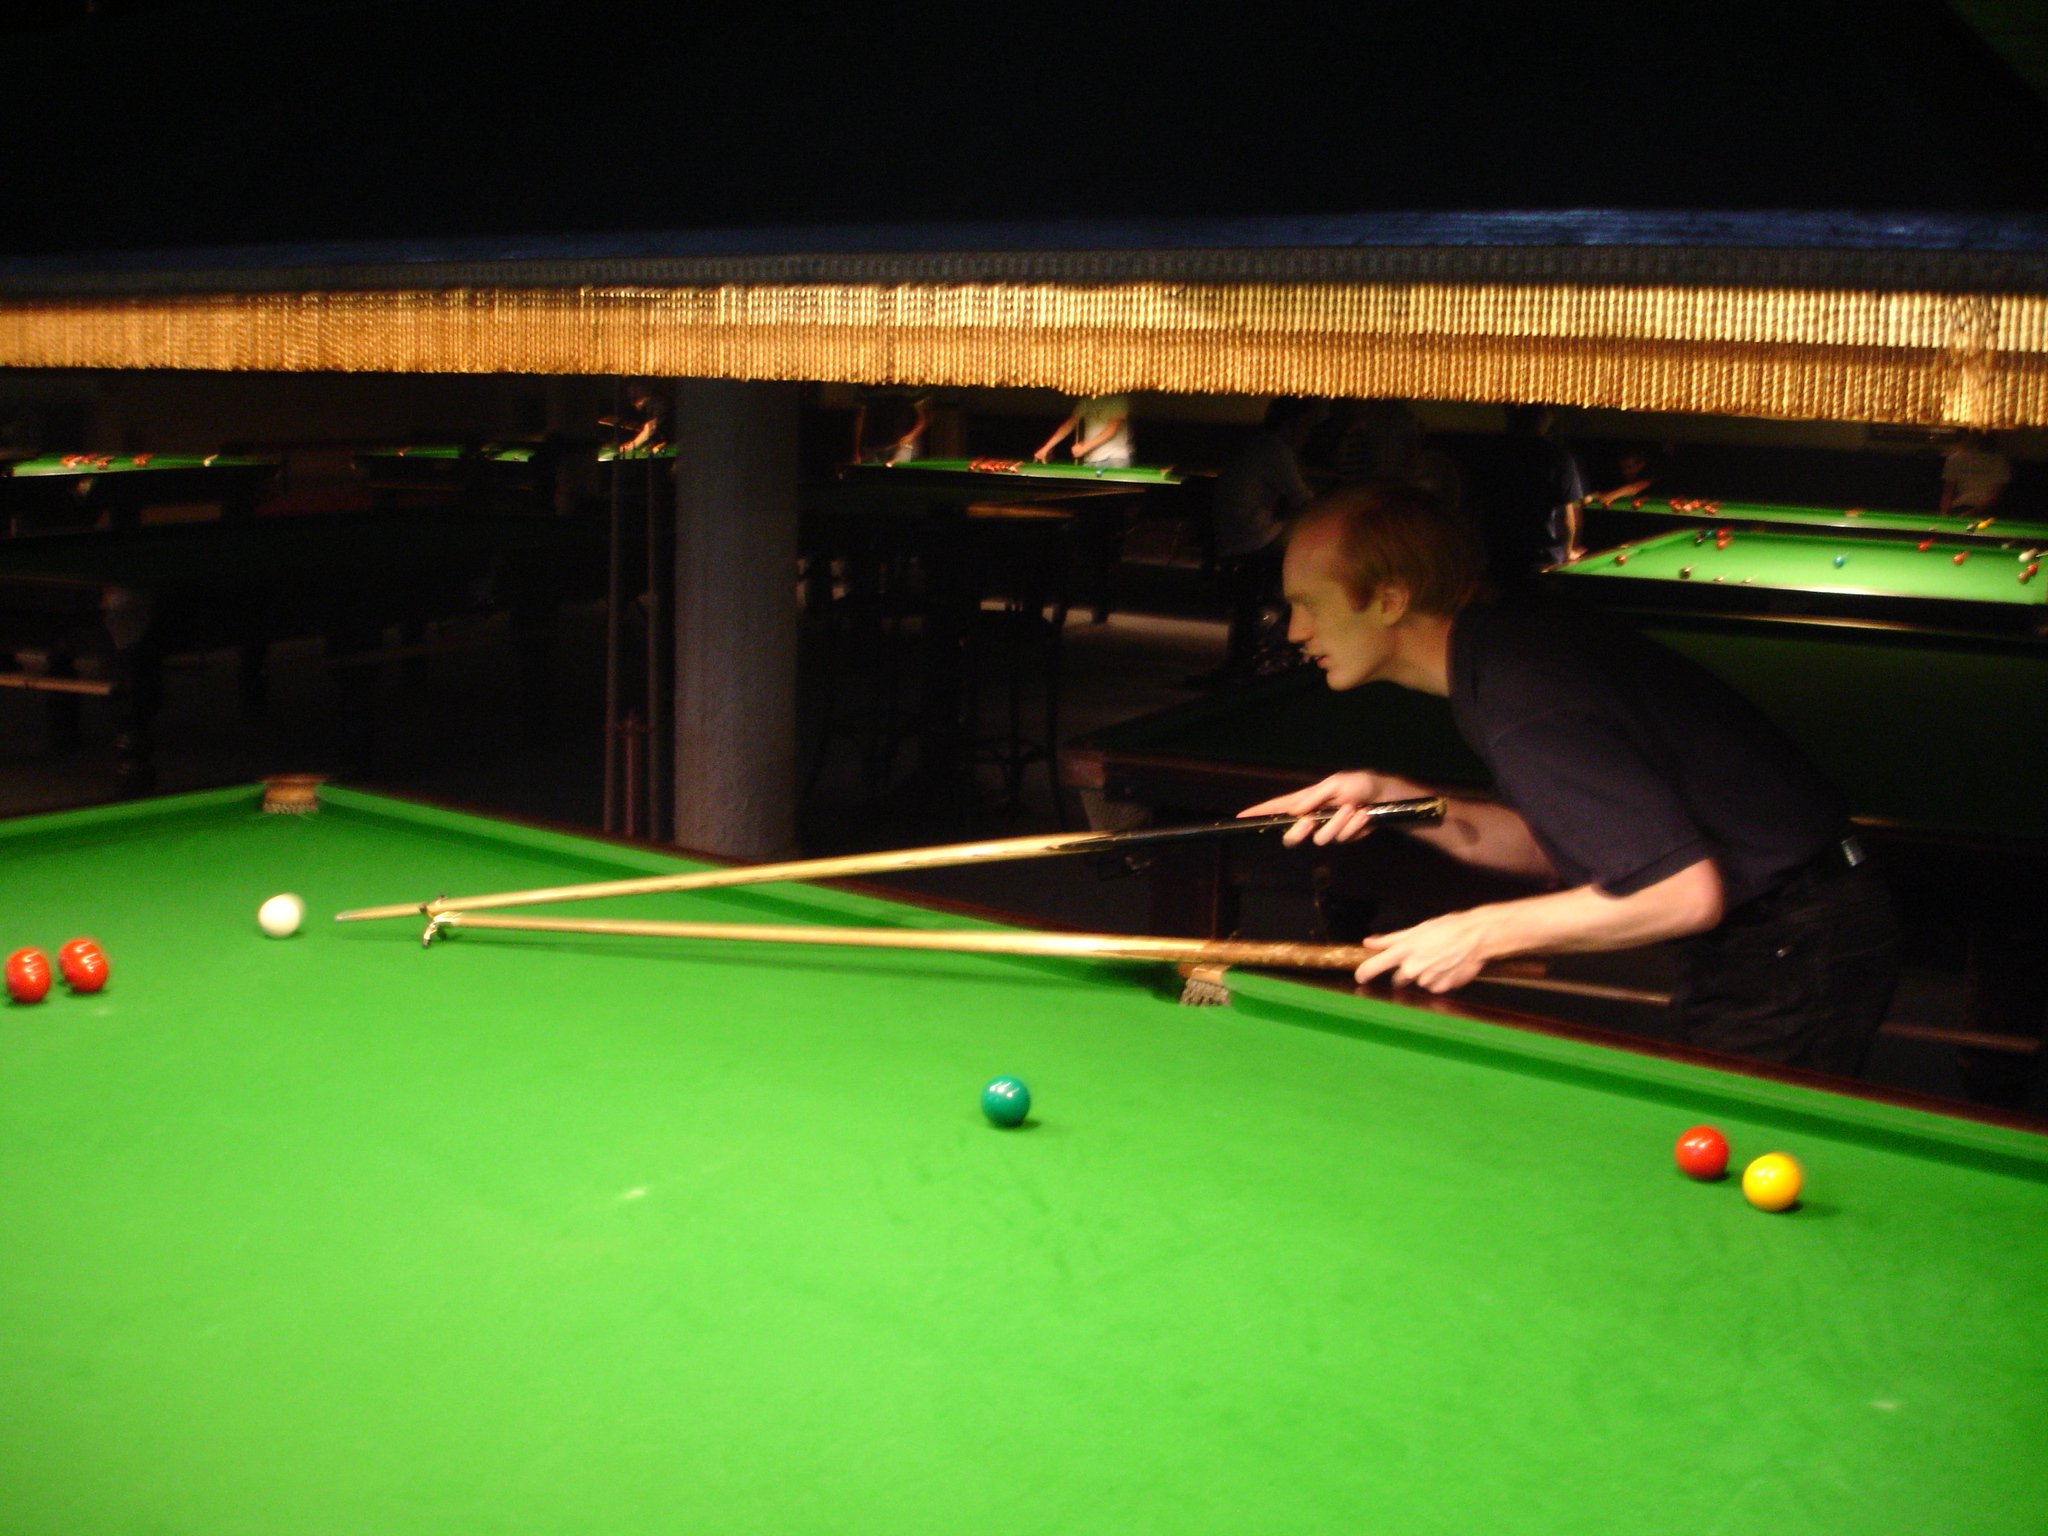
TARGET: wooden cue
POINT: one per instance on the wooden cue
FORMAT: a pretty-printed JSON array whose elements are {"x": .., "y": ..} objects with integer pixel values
[
  {"x": 844, "y": 866},
  {"x": 1073, "y": 946},
  {"x": 1077, "y": 946}
]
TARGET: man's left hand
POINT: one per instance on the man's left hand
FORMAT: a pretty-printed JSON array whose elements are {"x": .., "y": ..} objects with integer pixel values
[{"x": 1440, "y": 955}]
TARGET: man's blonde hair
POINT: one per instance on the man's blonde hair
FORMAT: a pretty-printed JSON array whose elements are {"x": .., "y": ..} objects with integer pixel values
[{"x": 1389, "y": 532}]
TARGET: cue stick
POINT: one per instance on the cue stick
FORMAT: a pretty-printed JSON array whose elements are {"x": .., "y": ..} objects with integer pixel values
[
  {"x": 843, "y": 866},
  {"x": 1076, "y": 946},
  {"x": 1201, "y": 960}
]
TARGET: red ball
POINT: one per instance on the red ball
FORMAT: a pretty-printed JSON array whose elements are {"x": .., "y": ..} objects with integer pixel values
[
  {"x": 1702, "y": 1153},
  {"x": 83, "y": 964},
  {"x": 28, "y": 975},
  {"x": 1960, "y": 556}
]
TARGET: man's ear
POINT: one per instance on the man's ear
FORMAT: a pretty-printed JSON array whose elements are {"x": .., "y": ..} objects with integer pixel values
[{"x": 1391, "y": 603}]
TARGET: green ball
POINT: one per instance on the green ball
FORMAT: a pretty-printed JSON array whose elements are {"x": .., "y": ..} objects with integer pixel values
[{"x": 1006, "y": 1102}]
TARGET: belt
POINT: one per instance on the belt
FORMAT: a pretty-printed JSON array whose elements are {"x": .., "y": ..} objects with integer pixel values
[{"x": 1834, "y": 859}]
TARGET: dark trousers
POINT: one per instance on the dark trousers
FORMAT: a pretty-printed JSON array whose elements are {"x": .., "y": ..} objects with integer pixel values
[{"x": 1802, "y": 976}]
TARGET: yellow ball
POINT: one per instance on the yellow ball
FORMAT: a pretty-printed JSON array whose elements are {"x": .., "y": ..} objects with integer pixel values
[{"x": 1773, "y": 1181}]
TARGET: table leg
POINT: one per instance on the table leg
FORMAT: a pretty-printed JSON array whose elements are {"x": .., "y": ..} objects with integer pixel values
[
  {"x": 252, "y": 676},
  {"x": 137, "y": 707},
  {"x": 345, "y": 641},
  {"x": 532, "y": 625},
  {"x": 62, "y": 712},
  {"x": 129, "y": 618}
]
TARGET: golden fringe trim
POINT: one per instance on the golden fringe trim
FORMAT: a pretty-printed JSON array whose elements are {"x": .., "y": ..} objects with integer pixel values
[{"x": 1965, "y": 359}]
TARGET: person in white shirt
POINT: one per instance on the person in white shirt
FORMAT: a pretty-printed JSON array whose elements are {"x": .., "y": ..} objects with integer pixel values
[
  {"x": 1101, "y": 429},
  {"x": 1973, "y": 476}
]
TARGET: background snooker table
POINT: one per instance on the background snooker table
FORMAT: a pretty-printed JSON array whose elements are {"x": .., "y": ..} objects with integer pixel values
[
  {"x": 112, "y": 606},
  {"x": 1025, "y": 469},
  {"x": 1776, "y": 572},
  {"x": 70, "y": 488},
  {"x": 514, "y": 474},
  {"x": 1646, "y": 515},
  {"x": 564, "y": 1234}
]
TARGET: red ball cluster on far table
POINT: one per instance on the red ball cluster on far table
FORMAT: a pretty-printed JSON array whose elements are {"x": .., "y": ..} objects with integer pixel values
[{"x": 82, "y": 963}]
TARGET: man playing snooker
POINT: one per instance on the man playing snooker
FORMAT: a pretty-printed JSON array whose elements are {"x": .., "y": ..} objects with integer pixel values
[{"x": 1655, "y": 802}]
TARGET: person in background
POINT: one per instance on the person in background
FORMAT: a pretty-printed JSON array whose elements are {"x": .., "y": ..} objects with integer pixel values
[
  {"x": 889, "y": 428},
  {"x": 1973, "y": 476},
  {"x": 1638, "y": 470},
  {"x": 645, "y": 421},
  {"x": 1254, "y": 496},
  {"x": 1384, "y": 440},
  {"x": 1101, "y": 429},
  {"x": 1332, "y": 443},
  {"x": 1642, "y": 797},
  {"x": 1528, "y": 512}
]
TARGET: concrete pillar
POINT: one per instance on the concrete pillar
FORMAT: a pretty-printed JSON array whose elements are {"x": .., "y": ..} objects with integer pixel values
[{"x": 736, "y": 617}]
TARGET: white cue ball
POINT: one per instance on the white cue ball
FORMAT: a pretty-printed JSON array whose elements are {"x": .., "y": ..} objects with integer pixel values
[{"x": 281, "y": 916}]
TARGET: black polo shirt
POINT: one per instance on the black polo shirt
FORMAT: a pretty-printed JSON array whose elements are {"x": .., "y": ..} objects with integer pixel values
[{"x": 1629, "y": 761}]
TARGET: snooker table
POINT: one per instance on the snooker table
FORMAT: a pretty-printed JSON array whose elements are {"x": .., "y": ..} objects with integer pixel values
[
  {"x": 98, "y": 613},
  {"x": 1645, "y": 515},
  {"x": 1949, "y": 584},
  {"x": 568, "y": 1234},
  {"x": 69, "y": 489},
  {"x": 516, "y": 472},
  {"x": 1023, "y": 469},
  {"x": 1102, "y": 500}
]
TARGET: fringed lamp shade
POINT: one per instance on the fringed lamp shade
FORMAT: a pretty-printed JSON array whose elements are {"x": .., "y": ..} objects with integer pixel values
[{"x": 1971, "y": 359}]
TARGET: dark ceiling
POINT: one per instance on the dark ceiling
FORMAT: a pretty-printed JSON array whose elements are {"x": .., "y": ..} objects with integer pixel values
[{"x": 154, "y": 126}]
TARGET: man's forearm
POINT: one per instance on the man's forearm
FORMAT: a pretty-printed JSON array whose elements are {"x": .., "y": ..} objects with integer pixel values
[
  {"x": 1059, "y": 432},
  {"x": 1586, "y": 919},
  {"x": 1098, "y": 439}
]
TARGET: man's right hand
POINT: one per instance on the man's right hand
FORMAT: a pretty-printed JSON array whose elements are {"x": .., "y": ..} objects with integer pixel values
[{"x": 1353, "y": 792}]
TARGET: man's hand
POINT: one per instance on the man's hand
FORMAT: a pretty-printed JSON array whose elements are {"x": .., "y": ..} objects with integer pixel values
[
  {"x": 1044, "y": 455},
  {"x": 1355, "y": 792},
  {"x": 1439, "y": 955}
]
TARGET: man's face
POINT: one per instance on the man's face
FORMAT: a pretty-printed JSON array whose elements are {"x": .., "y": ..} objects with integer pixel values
[{"x": 1352, "y": 645}]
